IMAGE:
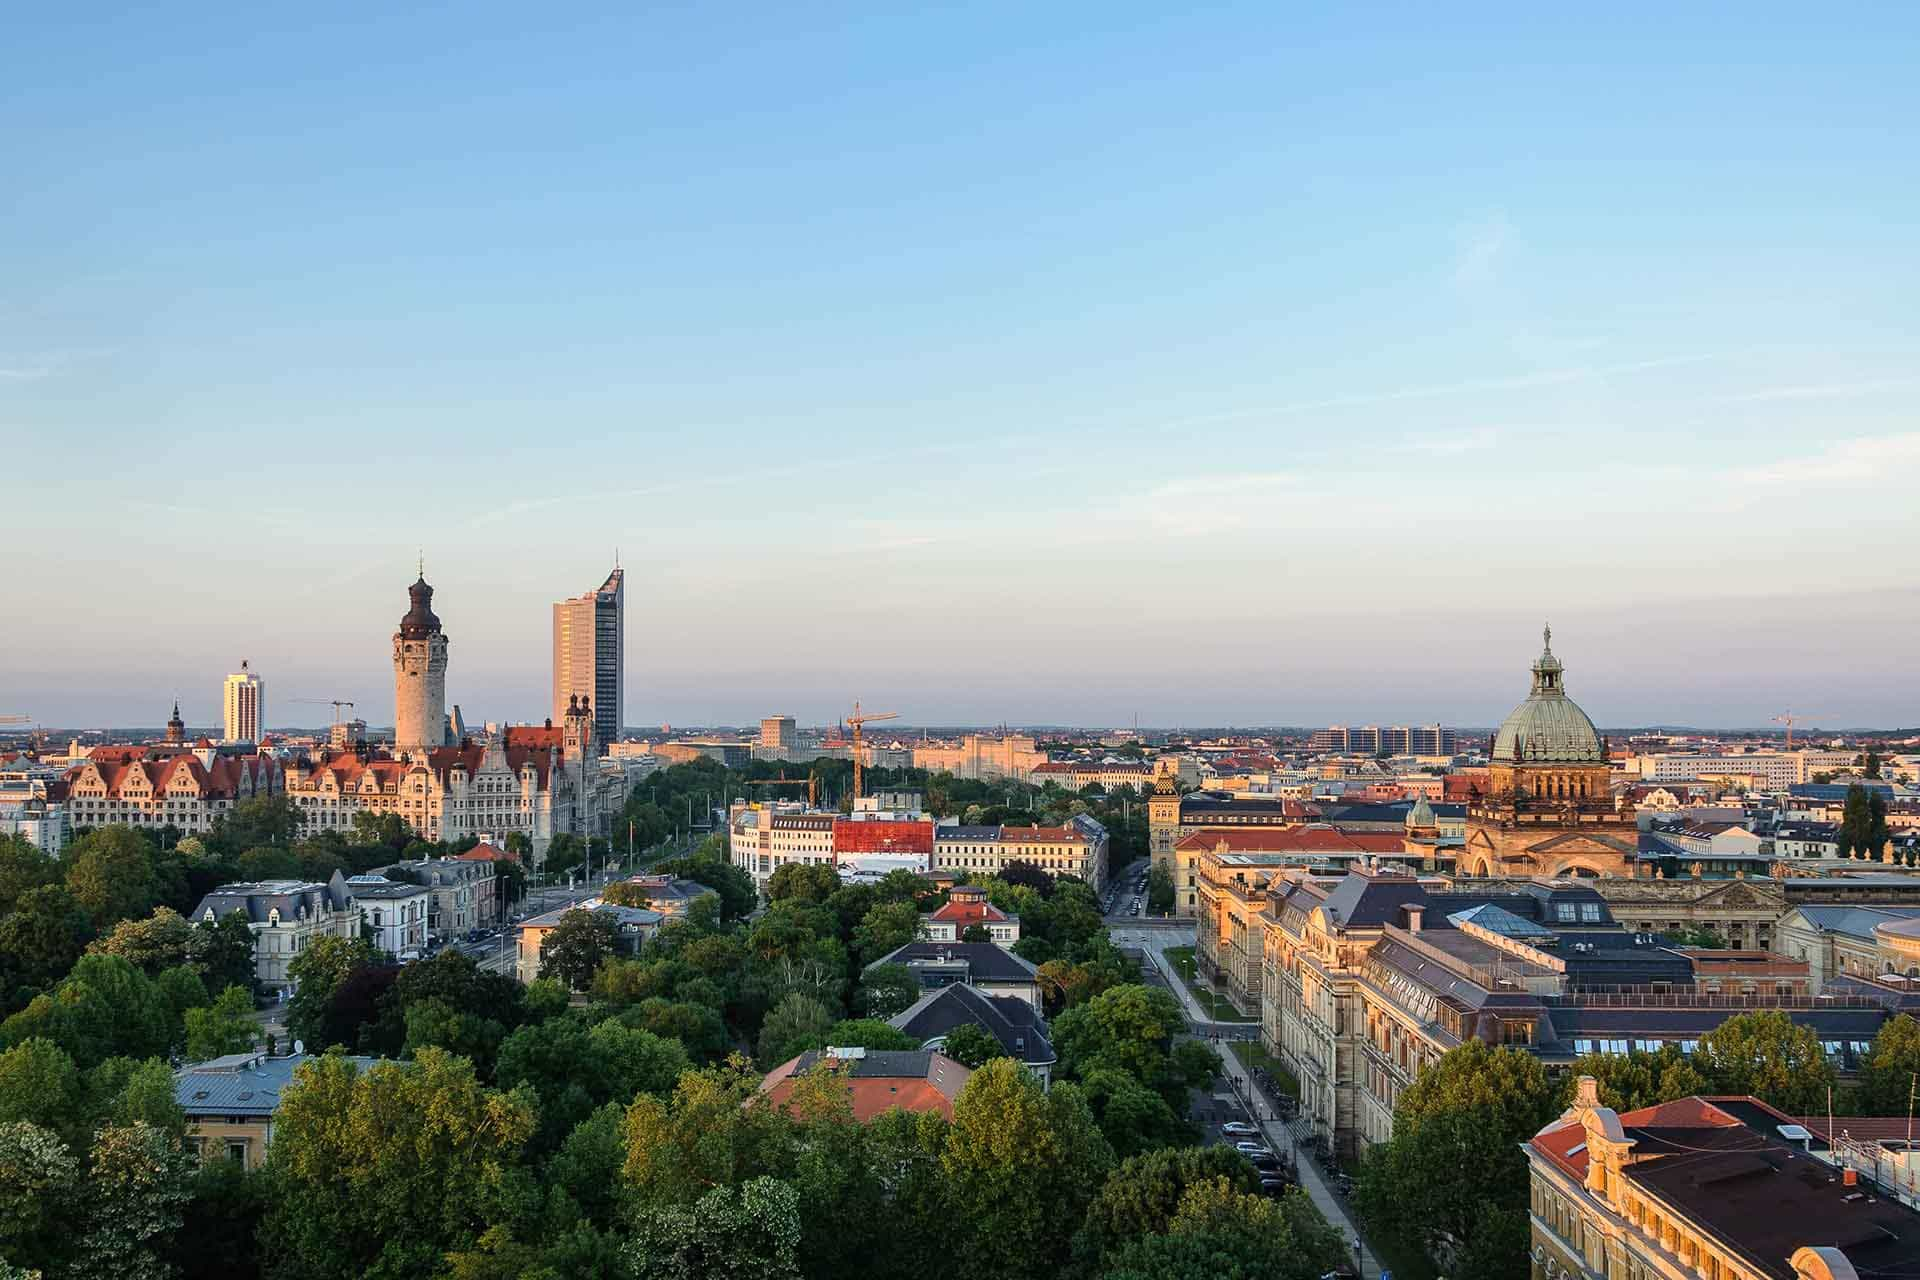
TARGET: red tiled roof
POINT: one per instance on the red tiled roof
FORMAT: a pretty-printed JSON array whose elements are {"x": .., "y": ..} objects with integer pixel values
[
  {"x": 882, "y": 836},
  {"x": 1558, "y": 1143},
  {"x": 968, "y": 910},
  {"x": 484, "y": 852},
  {"x": 533, "y": 735}
]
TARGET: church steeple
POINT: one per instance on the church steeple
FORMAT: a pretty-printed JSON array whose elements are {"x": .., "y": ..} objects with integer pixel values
[{"x": 176, "y": 727}]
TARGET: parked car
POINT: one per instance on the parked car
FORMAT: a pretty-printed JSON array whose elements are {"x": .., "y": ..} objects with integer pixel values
[
  {"x": 1274, "y": 1186},
  {"x": 1239, "y": 1129}
]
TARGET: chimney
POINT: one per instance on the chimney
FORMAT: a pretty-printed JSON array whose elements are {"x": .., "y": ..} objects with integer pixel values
[
  {"x": 1414, "y": 912},
  {"x": 1849, "y": 1178}
]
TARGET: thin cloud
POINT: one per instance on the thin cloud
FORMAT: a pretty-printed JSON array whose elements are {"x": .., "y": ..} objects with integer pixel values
[
  {"x": 1865, "y": 459},
  {"x": 1820, "y": 391},
  {"x": 1514, "y": 382},
  {"x": 1481, "y": 247},
  {"x": 1451, "y": 444},
  {"x": 25, "y": 373}
]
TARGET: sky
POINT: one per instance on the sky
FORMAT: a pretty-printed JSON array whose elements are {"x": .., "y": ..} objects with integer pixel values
[{"x": 1072, "y": 363}]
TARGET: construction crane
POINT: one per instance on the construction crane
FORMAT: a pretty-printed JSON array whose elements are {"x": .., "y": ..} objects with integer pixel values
[
  {"x": 855, "y": 721},
  {"x": 335, "y": 703},
  {"x": 1789, "y": 719},
  {"x": 811, "y": 783}
]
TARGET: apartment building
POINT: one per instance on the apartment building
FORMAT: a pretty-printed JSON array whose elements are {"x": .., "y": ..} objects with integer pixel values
[
  {"x": 1771, "y": 770},
  {"x": 978, "y": 756},
  {"x": 285, "y": 917},
  {"x": 161, "y": 785},
  {"x": 1109, "y": 775},
  {"x": 243, "y": 700},
  {"x": 1367, "y": 979},
  {"x": 462, "y": 893},
  {"x": 1707, "y": 1189},
  {"x": 394, "y": 913},
  {"x": 229, "y": 1102},
  {"x": 1079, "y": 848}
]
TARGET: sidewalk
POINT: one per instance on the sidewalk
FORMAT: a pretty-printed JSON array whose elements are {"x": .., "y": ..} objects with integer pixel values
[{"x": 1278, "y": 1136}]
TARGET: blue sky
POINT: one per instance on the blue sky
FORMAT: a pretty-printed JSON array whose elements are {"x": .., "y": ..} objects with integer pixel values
[{"x": 1019, "y": 362}]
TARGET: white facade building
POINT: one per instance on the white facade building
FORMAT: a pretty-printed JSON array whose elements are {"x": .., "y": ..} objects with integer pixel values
[
  {"x": 395, "y": 913},
  {"x": 245, "y": 701}
]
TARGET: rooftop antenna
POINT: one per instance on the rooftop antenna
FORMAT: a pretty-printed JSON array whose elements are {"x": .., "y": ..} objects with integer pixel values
[{"x": 422, "y": 566}]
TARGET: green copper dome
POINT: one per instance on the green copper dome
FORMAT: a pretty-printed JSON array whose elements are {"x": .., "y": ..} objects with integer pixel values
[{"x": 1549, "y": 727}]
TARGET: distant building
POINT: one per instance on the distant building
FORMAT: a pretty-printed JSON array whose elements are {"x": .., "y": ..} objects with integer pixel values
[
  {"x": 1109, "y": 775},
  {"x": 877, "y": 1080},
  {"x": 285, "y": 916},
  {"x": 463, "y": 893},
  {"x": 1770, "y": 770},
  {"x": 777, "y": 733},
  {"x": 245, "y": 699},
  {"x": 1017, "y": 1025},
  {"x": 1725, "y": 1188},
  {"x": 229, "y": 1102},
  {"x": 993, "y": 969},
  {"x": 1078, "y": 849},
  {"x": 762, "y": 838},
  {"x": 978, "y": 756},
  {"x": 632, "y": 926},
  {"x": 671, "y": 896},
  {"x": 393, "y": 912},
  {"x": 967, "y": 907},
  {"x": 589, "y": 654},
  {"x": 33, "y": 804},
  {"x": 419, "y": 676},
  {"x": 1549, "y": 808},
  {"x": 1394, "y": 740},
  {"x": 161, "y": 786}
]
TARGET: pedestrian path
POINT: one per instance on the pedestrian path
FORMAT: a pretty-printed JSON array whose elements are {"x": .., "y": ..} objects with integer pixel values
[{"x": 1278, "y": 1136}]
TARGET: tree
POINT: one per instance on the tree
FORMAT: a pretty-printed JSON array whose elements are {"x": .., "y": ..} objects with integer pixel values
[
  {"x": 1764, "y": 1054},
  {"x": 1132, "y": 1028},
  {"x": 573, "y": 1070},
  {"x": 696, "y": 1026},
  {"x": 271, "y": 820},
  {"x": 1856, "y": 824},
  {"x": 317, "y": 974},
  {"x": 133, "y": 1203},
  {"x": 226, "y": 1026},
  {"x": 1886, "y": 1078},
  {"x": 575, "y": 947},
  {"x": 40, "y": 1085},
  {"x": 1872, "y": 769},
  {"x": 383, "y": 1172},
  {"x": 124, "y": 1092},
  {"x": 1878, "y": 834},
  {"x": 791, "y": 1027},
  {"x": 718, "y": 1129},
  {"x": 110, "y": 874},
  {"x": 39, "y": 941},
  {"x": 39, "y": 1181},
  {"x": 1633, "y": 1080},
  {"x": 104, "y": 1008},
  {"x": 1221, "y": 1231},
  {"x": 1021, "y": 872},
  {"x": 223, "y": 951},
  {"x": 885, "y": 929},
  {"x": 158, "y": 942},
  {"x": 1160, "y": 896},
  {"x": 810, "y": 882},
  {"x": 749, "y": 1232},
  {"x": 626, "y": 893},
  {"x": 511, "y": 876},
  {"x": 972, "y": 1046},
  {"x": 23, "y": 867},
  {"x": 564, "y": 852},
  {"x": 1452, "y": 1181},
  {"x": 1022, "y": 1166},
  {"x": 387, "y": 834},
  {"x": 865, "y": 1033},
  {"x": 1140, "y": 1197},
  {"x": 739, "y": 895}
]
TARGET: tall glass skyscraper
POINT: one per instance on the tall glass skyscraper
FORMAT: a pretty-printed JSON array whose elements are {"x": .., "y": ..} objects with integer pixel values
[{"x": 589, "y": 655}]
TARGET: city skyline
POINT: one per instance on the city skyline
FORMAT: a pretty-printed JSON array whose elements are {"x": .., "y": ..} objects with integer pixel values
[{"x": 1371, "y": 348}]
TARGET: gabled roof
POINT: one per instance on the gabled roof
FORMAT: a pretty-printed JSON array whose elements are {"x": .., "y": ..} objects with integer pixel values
[
  {"x": 878, "y": 1080},
  {"x": 983, "y": 961},
  {"x": 1012, "y": 1021},
  {"x": 1366, "y": 899},
  {"x": 245, "y": 1084}
]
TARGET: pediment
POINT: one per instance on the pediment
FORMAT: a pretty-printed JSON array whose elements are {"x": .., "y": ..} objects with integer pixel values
[{"x": 1575, "y": 842}]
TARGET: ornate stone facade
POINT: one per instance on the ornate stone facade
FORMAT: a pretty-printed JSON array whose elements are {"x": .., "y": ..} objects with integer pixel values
[{"x": 1549, "y": 808}]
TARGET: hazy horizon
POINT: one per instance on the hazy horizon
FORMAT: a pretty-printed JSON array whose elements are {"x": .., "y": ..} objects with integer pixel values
[{"x": 1226, "y": 366}]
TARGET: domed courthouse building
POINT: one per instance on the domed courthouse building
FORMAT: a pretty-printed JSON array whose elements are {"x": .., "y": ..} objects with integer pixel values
[{"x": 1549, "y": 808}]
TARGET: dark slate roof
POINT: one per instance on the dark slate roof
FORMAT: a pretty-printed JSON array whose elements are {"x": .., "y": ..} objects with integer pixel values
[
  {"x": 1593, "y": 1021},
  {"x": 876, "y": 1063},
  {"x": 984, "y": 961},
  {"x": 979, "y": 835},
  {"x": 1012, "y": 1021},
  {"x": 289, "y": 897},
  {"x": 1393, "y": 814},
  {"x": 1361, "y": 900}
]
